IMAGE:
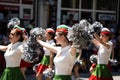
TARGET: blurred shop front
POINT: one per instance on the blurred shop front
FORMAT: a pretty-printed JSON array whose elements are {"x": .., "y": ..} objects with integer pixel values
[
  {"x": 23, "y": 9},
  {"x": 50, "y": 13},
  {"x": 55, "y": 12},
  {"x": 47, "y": 13},
  {"x": 100, "y": 10}
]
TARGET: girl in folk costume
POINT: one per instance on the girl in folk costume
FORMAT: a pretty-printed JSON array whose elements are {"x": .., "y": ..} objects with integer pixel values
[
  {"x": 23, "y": 64},
  {"x": 47, "y": 60},
  {"x": 65, "y": 54},
  {"x": 13, "y": 53},
  {"x": 101, "y": 71}
]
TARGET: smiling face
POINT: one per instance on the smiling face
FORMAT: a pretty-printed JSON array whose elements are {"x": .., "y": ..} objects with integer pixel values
[{"x": 13, "y": 37}]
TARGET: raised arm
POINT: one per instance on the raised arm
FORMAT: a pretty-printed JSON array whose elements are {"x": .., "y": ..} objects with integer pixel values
[
  {"x": 48, "y": 46},
  {"x": 99, "y": 41},
  {"x": 3, "y": 48}
]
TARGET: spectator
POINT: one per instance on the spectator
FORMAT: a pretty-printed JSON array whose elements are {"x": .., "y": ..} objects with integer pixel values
[{"x": 70, "y": 21}]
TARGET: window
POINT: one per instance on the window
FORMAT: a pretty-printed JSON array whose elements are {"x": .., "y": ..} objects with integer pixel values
[
  {"x": 27, "y": 13},
  {"x": 106, "y": 5},
  {"x": 87, "y": 15},
  {"x": 87, "y": 4},
  {"x": 65, "y": 16},
  {"x": 70, "y": 4}
]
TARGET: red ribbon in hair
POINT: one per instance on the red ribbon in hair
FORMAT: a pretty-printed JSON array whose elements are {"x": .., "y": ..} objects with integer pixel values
[
  {"x": 62, "y": 30},
  {"x": 50, "y": 30},
  {"x": 25, "y": 31},
  {"x": 105, "y": 32},
  {"x": 18, "y": 30}
]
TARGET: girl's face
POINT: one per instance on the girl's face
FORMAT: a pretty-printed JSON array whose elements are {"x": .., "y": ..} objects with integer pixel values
[
  {"x": 104, "y": 37},
  {"x": 13, "y": 37},
  {"x": 47, "y": 36},
  {"x": 58, "y": 38}
]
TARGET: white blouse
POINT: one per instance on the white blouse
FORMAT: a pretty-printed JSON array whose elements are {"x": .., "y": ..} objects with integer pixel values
[
  {"x": 47, "y": 52},
  {"x": 64, "y": 62},
  {"x": 13, "y": 54},
  {"x": 104, "y": 53}
]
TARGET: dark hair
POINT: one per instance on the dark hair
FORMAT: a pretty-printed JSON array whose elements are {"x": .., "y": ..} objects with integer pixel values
[
  {"x": 19, "y": 32},
  {"x": 65, "y": 35},
  {"x": 71, "y": 15},
  {"x": 52, "y": 34},
  {"x": 109, "y": 35}
]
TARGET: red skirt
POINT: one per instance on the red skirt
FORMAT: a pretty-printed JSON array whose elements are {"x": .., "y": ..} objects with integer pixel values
[
  {"x": 43, "y": 64},
  {"x": 24, "y": 64},
  {"x": 41, "y": 68}
]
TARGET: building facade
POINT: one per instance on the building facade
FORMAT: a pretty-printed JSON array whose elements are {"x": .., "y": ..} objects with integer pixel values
[
  {"x": 55, "y": 12},
  {"x": 22, "y": 9},
  {"x": 93, "y": 10}
]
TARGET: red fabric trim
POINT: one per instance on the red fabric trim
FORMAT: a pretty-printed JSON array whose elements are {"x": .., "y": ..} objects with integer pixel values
[
  {"x": 24, "y": 64},
  {"x": 105, "y": 32},
  {"x": 25, "y": 31},
  {"x": 95, "y": 52},
  {"x": 18, "y": 30},
  {"x": 98, "y": 78},
  {"x": 62, "y": 30},
  {"x": 41, "y": 68}
]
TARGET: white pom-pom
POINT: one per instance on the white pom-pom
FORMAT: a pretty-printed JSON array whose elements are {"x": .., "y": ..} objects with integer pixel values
[{"x": 14, "y": 21}]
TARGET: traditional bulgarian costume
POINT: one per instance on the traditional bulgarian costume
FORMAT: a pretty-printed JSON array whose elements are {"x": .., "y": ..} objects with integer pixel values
[
  {"x": 46, "y": 58},
  {"x": 13, "y": 59},
  {"x": 63, "y": 61},
  {"x": 102, "y": 71},
  {"x": 64, "y": 64}
]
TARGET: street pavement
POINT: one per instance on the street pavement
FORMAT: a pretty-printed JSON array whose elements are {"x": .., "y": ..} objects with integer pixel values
[{"x": 83, "y": 76}]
